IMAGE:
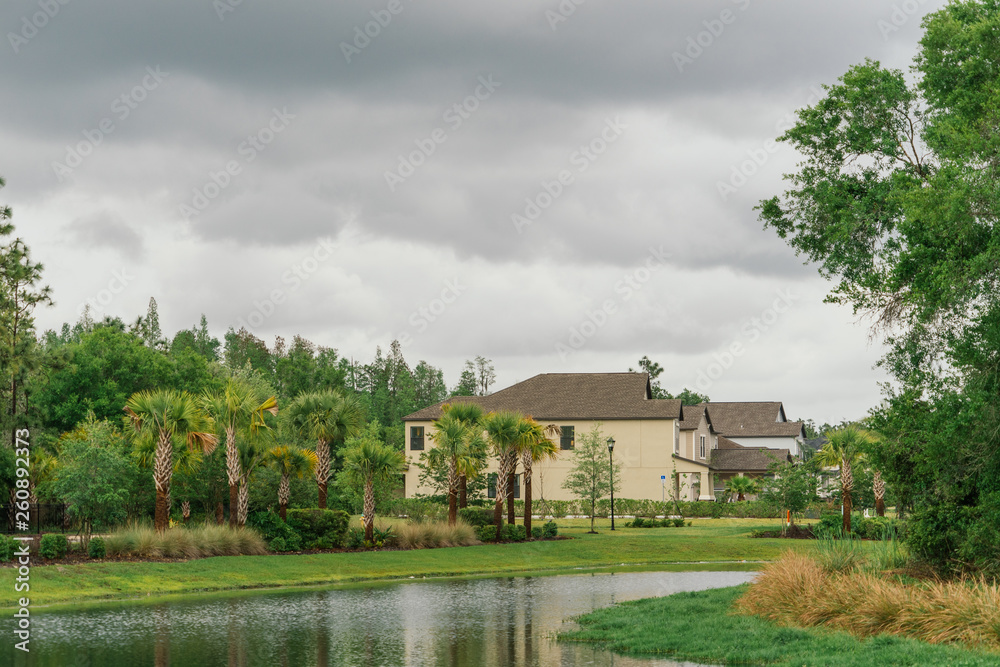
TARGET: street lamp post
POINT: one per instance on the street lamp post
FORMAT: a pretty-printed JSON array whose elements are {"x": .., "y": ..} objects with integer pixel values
[{"x": 611, "y": 466}]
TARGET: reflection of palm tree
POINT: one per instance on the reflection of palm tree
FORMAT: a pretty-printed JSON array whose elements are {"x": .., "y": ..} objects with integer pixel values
[
  {"x": 289, "y": 462},
  {"x": 160, "y": 416},
  {"x": 161, "y": 640},
  {"x": 325, "y": 417},
  {"x": 845, "y": 448}
]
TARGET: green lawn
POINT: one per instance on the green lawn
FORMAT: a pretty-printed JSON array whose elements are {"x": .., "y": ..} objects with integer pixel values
[
  {"x": 708, "y": 540},
  {"x": 699, "y": 627}
]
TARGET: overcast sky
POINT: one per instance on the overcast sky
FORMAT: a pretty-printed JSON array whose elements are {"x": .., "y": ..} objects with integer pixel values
[{"x": 555, "y": 186}]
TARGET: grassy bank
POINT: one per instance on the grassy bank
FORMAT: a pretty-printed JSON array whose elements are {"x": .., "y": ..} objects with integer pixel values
[
  {"x": 709, "y": 540},
  {"x": 701, "y": 627}
]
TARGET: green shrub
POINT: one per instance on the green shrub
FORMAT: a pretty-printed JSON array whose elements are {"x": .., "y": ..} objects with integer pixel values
[
  {"x": 355, "y": 539},
  {"x": 536, "y": 532},
  {"x": 486, "y": 533},
  {"x": 550, "y": 529},
  {"x": 8, "y": 545},
  {"x": 96, "y": 548},
  {"x": 515, "y": 533},
  {"x": 278, "y": 544},
  {"x": 476, "y": 516},
  {"x": 319, "y": 529},
  {"x": 270, "y": 526},
  {"x": 53, "y": 545},
  {"x": 678, "y": 522}
]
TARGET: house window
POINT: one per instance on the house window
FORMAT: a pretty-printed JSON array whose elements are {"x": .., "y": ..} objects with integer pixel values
[
  {"x": 702, "y": 446},
  {"x": 491, "y": 486},
  {"x": 416, "y": 438},
  {"x": 566, "y": 440}
]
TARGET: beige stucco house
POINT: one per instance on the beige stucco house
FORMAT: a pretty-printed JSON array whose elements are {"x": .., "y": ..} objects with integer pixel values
[{"x": 654, "y": 438}]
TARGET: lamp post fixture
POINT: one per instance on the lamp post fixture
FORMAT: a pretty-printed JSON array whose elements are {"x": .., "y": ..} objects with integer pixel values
[{"x": 611, "y": 467}]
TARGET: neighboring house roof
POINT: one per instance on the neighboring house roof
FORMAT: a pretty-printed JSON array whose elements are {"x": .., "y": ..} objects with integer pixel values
[
  {"x": 726, "y": 443},
  {"x": 747, "y": 459},
  {"x": 750, "y": 420},
  {"x": 692, "y": 418},
  {"x": 582, "y": 396},
  {"x": 816, "y": 444}
]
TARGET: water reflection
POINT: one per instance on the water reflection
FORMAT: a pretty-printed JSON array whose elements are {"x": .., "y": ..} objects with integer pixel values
[{"x": 480, "y": 622}]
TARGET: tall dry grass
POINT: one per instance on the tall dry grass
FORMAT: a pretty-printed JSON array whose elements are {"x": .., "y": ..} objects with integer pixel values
[
  {"x": 799, "y": 591},
  {"x": 200, "y": 541},
  {"x": 434, "y": 535}
]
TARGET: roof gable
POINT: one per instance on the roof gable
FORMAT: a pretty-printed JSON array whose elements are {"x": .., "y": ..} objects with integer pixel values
[{"x": 752, "y": 419}]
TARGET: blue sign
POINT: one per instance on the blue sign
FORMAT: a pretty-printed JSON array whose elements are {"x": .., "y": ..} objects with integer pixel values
[{"x": 663, "y": 478}]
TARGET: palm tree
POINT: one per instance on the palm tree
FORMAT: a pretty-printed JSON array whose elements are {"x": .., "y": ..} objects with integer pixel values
[
  {"x": 504, "y": 431},
  {"x": 535, "y": 447},
  {"x": 290, "y": 462},
  {"x": 451, "y": 439},
  {"x": 160, "y": 416},
  {"x": 42, "y": 468},
  {"x": 878, "y": 486},
  {"x": 740, "y": 485},
  {"x": 469, "y": 414},
  {"x": 846, "y": 447},
  {"x": 326, "y": 417},
  {"x": 368, "y": 461},
  {"x": 238, "y": 407}
]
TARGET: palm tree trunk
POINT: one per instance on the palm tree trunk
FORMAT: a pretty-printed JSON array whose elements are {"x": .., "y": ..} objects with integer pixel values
[
  {"x": 162, "y": 471},
  {"x": 846, "y": 485},
  {"x": 244, "y": 504},
  {"x": 878, "y": 486},
  {"x": 369, "y": 510},
  {"x": 322, "y": 470},
  {"x": 186, "y": 510},
  {"x": 452, "y": 491},
  {"x": 284, "y": 493},
  {"x": 526, "y": 464},
  {"x": 233, "y": 474},
  {"x": 505, "y": 465},
  {"x": 220, "y": 513},
  {"x": 463, "y": 500},
  {"x": 511, "y": 481}
]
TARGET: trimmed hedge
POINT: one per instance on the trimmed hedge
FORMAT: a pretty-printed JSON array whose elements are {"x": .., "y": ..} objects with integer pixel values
[
  {"x": 97, "y": 548},
  {"x": 53, "y": 545},
  {"x": 476, "y": 516},
  {"x": 319, "y": 529},
  {"x": 8, "y": 545}
]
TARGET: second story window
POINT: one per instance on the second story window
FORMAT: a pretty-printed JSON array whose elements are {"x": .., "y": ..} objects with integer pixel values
[
  {"x": 702, "y": 446},
  {"x": 416, "y": 438},
  {"x": 566, "y": 440}
]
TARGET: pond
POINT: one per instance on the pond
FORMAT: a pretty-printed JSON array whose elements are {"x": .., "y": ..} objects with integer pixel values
[{"x": 478, "y": 622}]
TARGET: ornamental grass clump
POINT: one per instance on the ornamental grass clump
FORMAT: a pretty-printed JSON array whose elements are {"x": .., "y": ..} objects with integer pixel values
[
  {"x": 435, "y": 535},
  {"x": 141, "y": 540},
  {"x": 799, "y": 591}
]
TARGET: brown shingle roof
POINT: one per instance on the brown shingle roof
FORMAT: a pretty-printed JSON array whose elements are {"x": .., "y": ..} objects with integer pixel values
[
  {"x": 692, "y": 417},
  {"x": 747, "y": 459},
  {"x": 552, "y": 396},
  {"x": 726, "y": 443},
  {"x": 751, "y": 419}
]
